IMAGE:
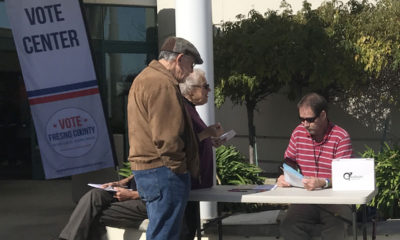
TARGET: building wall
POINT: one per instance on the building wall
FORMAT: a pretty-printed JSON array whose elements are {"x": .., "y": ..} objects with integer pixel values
[{"x": 275, "y": 120}]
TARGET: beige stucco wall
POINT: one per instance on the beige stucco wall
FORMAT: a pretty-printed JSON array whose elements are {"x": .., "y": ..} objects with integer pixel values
[{"x": 275, "y": 120}]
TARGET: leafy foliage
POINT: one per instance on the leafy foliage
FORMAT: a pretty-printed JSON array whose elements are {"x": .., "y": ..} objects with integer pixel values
[
  {"x": 125, "y": 171},
  {"x": 264, "y": 54},
  {"x": 387, "y": 171},
  {"x": 232, "y": 169},
  {"x": 371, "y": 31},
  {"x": 348, "y": 52}
]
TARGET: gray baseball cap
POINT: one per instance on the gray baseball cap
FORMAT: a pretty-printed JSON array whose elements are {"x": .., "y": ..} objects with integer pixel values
[{"x": 181, "y": 45}]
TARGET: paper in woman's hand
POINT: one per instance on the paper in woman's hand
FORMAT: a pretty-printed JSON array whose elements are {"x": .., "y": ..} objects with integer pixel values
[
  {"x": 227, "y": 136},
  {"x": 292, "y": 176}
]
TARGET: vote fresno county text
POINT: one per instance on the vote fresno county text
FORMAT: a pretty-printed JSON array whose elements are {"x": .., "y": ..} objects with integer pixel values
[
  {"x": 71, "y": 133},
  {"x": 68, "y": 123}
]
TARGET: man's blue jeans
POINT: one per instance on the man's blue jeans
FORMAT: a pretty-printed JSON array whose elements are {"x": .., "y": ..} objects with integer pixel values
[{"x": 166, "y": 194}]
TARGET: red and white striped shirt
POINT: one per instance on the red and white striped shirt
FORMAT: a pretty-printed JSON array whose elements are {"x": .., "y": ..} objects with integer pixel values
[{"x": 315, "y": 158}]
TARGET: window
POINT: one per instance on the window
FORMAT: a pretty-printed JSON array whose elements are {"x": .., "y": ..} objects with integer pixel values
[{"x": 124, "y": 41}]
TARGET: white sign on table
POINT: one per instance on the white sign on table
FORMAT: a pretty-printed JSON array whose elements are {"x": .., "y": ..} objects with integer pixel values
[{"x": 349, "y": 174}]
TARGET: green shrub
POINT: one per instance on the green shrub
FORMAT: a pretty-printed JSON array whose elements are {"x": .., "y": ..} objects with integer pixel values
[
  {"x": 387, "y": 174},
  {"x": 232, "y": 169},
  {"x": 125, "y": 171}
]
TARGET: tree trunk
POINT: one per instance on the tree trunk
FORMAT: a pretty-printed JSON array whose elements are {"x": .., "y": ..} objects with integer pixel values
[
  {"x": 251, "y": 154},
  {"x": 252, "y": 131}
]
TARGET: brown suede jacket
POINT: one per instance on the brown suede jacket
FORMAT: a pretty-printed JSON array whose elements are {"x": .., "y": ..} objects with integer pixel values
[{"x": 160, "y": 129}]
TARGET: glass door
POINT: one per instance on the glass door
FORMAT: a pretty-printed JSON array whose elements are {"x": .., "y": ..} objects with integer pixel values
[
  {"x": 124, "y": 41},
  {"x": 15, "y": 118}
]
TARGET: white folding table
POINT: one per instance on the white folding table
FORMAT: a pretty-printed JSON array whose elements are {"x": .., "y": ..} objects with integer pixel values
[{"x": 248, "y": 194}]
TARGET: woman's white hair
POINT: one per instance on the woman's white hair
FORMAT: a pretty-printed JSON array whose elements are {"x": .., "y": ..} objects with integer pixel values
[{"x": 192, "y": 80}]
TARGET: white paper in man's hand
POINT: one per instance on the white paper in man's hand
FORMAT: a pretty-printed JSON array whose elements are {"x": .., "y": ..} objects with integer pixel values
[
  {"x": 292, "y": 176},
  {"x": 109, "y": 188}
]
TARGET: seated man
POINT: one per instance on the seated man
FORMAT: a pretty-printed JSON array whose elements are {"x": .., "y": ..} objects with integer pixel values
[
  {"x": 99, "y": 208},
  {"x": 312, "y": 147}
]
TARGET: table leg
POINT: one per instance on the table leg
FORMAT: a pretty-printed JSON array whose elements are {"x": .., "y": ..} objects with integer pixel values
[
  {"x": 217, "y": 220},
  {"x": 198, "y": 221},
  {"x": 364, "y": 221},
  {"x": 219, "y": 223},
  {"x": 373, "y": 229},
  {"x": 219, "y": 229},
  {"x": 354, "y": 221}
]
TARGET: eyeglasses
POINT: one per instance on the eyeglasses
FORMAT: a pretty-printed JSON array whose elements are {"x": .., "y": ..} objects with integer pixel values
[
  {"x": 205, "y": 86},
  {"x": 309, "y": 120}
]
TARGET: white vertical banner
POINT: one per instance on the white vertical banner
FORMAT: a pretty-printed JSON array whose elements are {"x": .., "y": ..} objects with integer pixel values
[{"x": 57, "y": 66}]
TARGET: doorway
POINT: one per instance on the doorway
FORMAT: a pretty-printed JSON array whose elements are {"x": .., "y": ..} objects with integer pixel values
[{"x": 15, "y": 128}]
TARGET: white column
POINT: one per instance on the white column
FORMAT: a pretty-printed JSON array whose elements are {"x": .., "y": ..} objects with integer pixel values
[{"x": 193, "y": 21}]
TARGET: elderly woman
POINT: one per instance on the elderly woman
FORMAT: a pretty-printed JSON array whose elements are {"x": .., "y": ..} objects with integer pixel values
[{"x": 195, "y": 90}]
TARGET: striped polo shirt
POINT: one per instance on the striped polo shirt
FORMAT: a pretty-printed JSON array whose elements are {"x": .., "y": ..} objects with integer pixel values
[{"x": 315, "y": 158}]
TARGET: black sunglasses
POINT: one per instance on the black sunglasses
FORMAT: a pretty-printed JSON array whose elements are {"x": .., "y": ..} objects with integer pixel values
[{"x": 309, "y": 120}]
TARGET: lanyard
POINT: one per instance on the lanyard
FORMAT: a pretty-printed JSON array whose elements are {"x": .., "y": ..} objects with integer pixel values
[{"x": 316, "y": 158}]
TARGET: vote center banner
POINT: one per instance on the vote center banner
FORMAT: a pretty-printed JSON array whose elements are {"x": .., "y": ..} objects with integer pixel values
[{"x": 57, "y": 66}]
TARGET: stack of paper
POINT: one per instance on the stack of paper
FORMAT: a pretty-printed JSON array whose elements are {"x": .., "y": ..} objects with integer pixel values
[{"x": 292, "y": 176}]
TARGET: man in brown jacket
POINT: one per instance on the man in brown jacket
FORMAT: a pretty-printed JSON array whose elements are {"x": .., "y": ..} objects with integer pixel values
[{"x": 163, "y": 147}]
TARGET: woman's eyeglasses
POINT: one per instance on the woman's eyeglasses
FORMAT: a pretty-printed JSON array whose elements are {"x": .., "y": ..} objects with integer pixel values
[{"x": 205, "y": 86}]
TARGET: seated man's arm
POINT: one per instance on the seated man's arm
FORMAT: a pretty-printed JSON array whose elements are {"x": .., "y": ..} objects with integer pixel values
[
  {"x": 121, "y": 183},
  {"x": 281, "y": 182},
  {"x": 123, "y": 194},
  {"x": 311, "y": 183},
  {"x": 289, "y": 156}
]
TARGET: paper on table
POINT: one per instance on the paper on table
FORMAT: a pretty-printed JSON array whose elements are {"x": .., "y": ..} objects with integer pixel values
[
  {"x": 265, "y": 187},
  {"x": 228, "y": 135},
  {"x": 109, "y": 188},
  {"x": 292, "y": 176}
]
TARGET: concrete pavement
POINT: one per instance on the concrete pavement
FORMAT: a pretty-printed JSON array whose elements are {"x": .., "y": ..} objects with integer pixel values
[{"x": 34, "y": 209}]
